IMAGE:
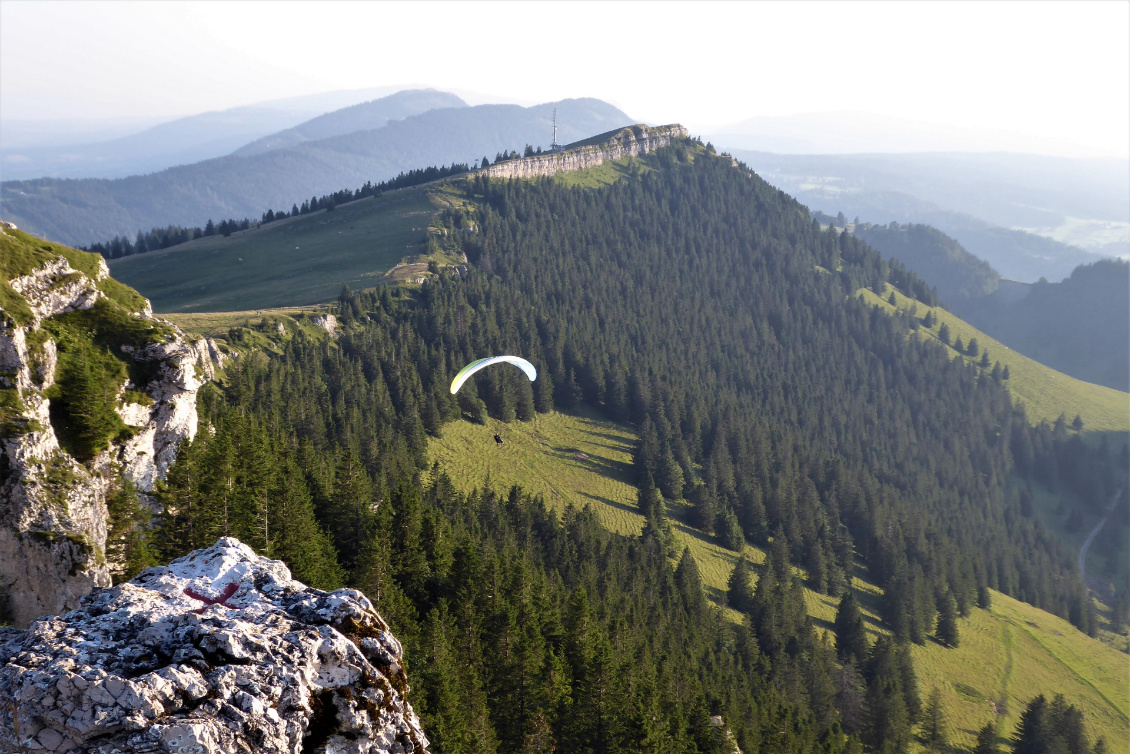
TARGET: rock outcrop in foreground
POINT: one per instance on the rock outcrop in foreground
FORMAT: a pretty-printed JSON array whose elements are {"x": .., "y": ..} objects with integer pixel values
[
  {"x": 220, "y": 651},
  {"x": 53, "y": 517}
]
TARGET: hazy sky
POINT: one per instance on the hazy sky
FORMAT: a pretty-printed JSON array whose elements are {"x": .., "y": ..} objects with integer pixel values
[{"x": 1051, "y": 73}]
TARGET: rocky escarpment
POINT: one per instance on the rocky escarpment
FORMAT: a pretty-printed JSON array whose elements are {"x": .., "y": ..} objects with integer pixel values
[
  {"x": 53, "y": 518},
  {"x": 220, "y": 651},
  {"x": 632, "y": 141}
]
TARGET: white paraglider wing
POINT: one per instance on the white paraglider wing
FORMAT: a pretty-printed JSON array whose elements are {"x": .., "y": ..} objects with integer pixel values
[{"x": 475, "y": 366}]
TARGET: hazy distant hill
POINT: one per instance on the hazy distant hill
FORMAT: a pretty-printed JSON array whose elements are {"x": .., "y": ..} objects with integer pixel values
[
  {"x": 176, "y": 142},
  {"x": 1080, "y": 326},
  {"x": 937, "y": 258},
  {"x": 88, "y": 211},
  {"x": 361, "y": 117},
  {"x": 1007, "y": 209}
]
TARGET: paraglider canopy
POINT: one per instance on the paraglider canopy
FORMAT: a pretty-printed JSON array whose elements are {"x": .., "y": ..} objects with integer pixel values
[{"x": 475, "y": 366}]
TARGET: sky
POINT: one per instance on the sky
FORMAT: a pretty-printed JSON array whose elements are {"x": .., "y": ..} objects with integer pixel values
[{"x": 1052, "y": 76}]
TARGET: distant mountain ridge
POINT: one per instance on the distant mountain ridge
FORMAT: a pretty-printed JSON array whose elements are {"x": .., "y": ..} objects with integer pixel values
[
  {"x": 360, "y": 117},
  {"x": 86, "y": 211},
  {"x": 179, "y": 141},
  {"x": 1080, "y": 326},
  {"x": 993, "y": 204}
]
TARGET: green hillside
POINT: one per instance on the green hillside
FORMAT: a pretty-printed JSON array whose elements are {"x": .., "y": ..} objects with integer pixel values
[
  {"x": 1044, "y": 392},
  {"x": 681, "y": 297},
  {"x": 296, "y": 261},
  {"x": 1006, "y": 653}
]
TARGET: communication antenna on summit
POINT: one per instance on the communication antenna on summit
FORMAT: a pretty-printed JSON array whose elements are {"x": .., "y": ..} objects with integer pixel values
[{"x": 554, "y": 146}]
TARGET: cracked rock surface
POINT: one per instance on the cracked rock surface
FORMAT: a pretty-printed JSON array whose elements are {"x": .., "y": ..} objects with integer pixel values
[{"x": 220, "y": 651}]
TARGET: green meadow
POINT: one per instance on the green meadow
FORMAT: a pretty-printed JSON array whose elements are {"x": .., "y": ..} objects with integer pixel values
[
  {"x": 292, "y": 262},
  {"x": 1007, "y": 654}
]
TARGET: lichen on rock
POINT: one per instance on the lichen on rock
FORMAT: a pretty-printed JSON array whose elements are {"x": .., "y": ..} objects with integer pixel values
[{"x": 220, "y": 651}]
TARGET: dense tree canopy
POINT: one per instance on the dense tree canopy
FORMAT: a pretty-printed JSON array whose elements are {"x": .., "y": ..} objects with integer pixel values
[{"x": 695, "y": 302}]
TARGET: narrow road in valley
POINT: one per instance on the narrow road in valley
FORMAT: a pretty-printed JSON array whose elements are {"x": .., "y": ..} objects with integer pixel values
[{"x": 1094, "y": 533}]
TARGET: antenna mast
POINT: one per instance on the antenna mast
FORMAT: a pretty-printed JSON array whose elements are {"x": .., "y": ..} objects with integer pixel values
[{"x": 554, "y": 146}]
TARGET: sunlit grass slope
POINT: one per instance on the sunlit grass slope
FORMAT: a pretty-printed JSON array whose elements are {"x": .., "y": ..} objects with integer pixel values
[
  {"x": 291, "y": 262},
  {"x": 1012, "y": 651},
  {"x": 1044, "y": 392}
]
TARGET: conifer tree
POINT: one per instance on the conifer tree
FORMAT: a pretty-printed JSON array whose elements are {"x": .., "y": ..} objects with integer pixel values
[
  {"x": 648, "y": 499},
  {"x": 128, "y": 547},
  {"x": 1032, "y": 730},
  {"x": 947, "y": 621},
  {"x": 730, "y": 531},
  {"x": 348, "y": 517},
  {"x": 739, "y": 591},
  {"x": 934, "y": 734},
  {"x": 669, "y": 476},
  {"x": 704, "y": 509},
  {"x": 986, "y": 740},
  {"x": 851, "y": 636},
  {"x": 689, "y": 581}
]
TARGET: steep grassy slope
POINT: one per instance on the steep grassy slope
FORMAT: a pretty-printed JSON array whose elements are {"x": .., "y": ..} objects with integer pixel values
[
  {"x": 300, "y": 260},
  {"x": 1007, "y": 654}
]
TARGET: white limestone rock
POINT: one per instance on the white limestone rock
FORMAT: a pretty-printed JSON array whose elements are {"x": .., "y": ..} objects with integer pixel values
[
  {"x": 53, "y": 518},
  {"x": 150, "y": 666},
  {"x": 632, "y": 141},
  {"x": 327, "y": 322}
]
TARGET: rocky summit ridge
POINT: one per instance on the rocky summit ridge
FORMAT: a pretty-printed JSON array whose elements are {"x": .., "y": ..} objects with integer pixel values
[
  {"x": 220, "y": 651},
  {"x": 622, "y": 143}
]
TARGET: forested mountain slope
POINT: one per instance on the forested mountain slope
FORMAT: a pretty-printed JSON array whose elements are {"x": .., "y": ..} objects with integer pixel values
[
  {"x": 692, "y": 300},
  {"x": 935, "y": 257}
]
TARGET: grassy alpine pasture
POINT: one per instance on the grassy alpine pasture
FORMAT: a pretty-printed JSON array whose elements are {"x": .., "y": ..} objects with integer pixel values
[
  {"x": 219, "y": 324},
  {"x": 1007, "y": 654},
  {"x": 305, "y": 260},
  {"x": 291, "y": 262},
  {"x": 1044, "y": 392}
]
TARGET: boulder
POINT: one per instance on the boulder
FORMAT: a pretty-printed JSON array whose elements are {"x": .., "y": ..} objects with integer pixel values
[{"x": 220, "y": 651}]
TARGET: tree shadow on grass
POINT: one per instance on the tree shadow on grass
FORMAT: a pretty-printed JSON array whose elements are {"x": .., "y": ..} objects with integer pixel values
[
  {"x": 715, "y": 594},
  {"x": 606, "y": 467},
  {"x": 620, "y": 506}
]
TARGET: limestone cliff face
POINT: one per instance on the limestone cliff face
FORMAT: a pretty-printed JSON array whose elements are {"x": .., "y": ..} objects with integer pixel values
[
  {"x": 53, "y": 518},
  {"x": 632, "y": 141},
  {"x": 220, "y": 651}
]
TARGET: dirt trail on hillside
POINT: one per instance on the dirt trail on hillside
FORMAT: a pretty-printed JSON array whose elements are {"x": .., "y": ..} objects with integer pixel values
[{"x": 1091, "y": 538}]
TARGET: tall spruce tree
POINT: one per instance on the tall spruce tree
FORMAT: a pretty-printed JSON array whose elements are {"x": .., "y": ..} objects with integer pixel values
[
  {"x": 934, "y": 733},
  {"x": 851, "y": 636},
  {"x": 947, "y": 621}
]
